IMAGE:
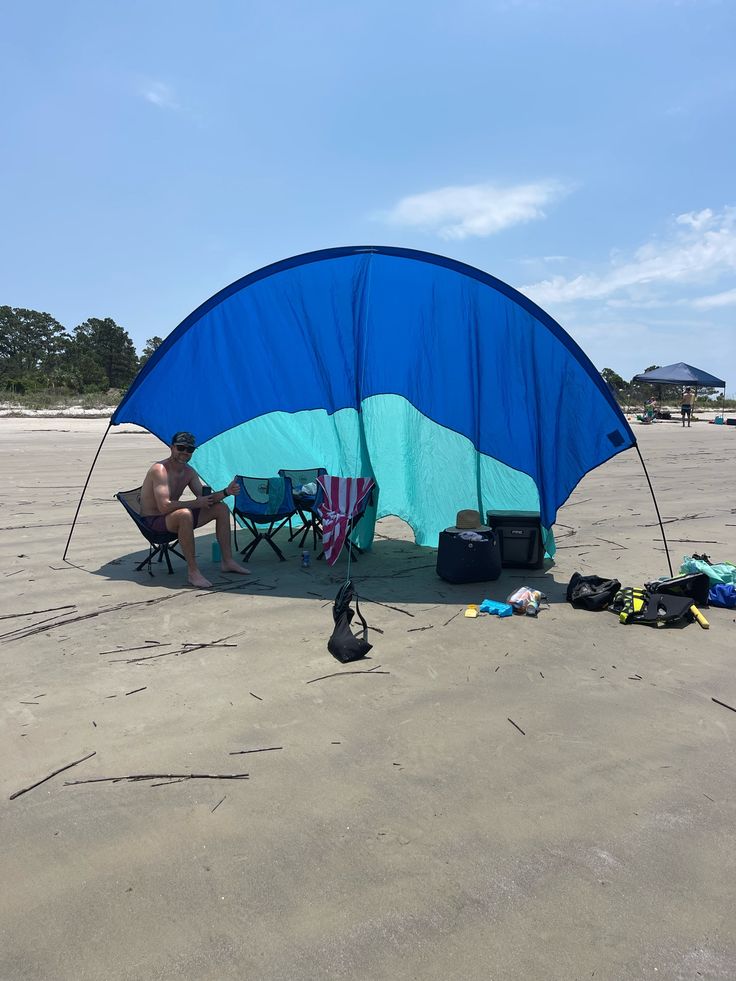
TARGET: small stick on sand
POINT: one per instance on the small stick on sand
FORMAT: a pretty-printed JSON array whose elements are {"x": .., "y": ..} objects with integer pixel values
[
  {"x": 515, "y": 725},
  {"x": 266, "y": 749},
  {"x": 44, "y": 779},
  {"x": 136, "y": 777},
  {"x": 341, "y": 674},
  {"x": 723, "y": 704}
]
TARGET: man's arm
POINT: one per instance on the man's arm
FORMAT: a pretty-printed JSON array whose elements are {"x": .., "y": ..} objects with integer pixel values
[
  {"x": 162, "y": 493},
  {"x": 195, "y": 485}
]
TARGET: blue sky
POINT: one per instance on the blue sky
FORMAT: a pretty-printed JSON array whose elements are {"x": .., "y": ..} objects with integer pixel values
[{"x": 581, "y": 151}]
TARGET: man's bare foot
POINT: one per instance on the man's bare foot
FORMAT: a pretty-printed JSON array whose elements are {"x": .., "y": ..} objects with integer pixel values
[
  {"x": 230, "y": 565},
  {"x": 198, "y": 580}
]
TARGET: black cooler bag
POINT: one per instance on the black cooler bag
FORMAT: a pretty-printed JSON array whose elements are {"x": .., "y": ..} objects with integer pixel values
[
  {"x": 460, "y": 560},
  {"x": 520, "y": 538}
]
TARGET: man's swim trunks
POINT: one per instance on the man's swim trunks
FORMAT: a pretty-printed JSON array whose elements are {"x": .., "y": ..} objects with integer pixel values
[{"x": 157, "y": 522}]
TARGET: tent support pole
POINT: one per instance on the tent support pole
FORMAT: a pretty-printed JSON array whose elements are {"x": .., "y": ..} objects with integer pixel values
[
  {"x": 656, "y": 508},
  {"x": 76, "y": 513}
]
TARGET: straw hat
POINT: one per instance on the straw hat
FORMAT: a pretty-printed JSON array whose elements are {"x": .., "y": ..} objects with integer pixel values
[{"x": 468, "y": 521}]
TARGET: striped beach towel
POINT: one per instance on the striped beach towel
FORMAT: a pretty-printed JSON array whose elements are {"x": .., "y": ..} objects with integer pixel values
[{"x": 344, "y": 499}]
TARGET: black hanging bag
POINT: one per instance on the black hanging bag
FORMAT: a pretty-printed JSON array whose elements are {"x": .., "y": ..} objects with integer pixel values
[
  {"x": 591, "y": 592},
  {"x": 344, "y": 644}
]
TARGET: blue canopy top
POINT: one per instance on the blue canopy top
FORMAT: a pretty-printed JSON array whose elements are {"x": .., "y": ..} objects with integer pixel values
[
  {"x": 680, "y": 374},
  {"x": 433, "y": 358}
]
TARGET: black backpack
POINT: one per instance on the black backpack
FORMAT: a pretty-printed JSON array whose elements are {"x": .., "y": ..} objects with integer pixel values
[
  {"x": 344, "y": 644},
  {"x": 591, "y": 592}
]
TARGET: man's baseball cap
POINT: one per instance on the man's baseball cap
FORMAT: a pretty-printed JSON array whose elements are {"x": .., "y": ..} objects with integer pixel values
[{"x": 183, "y": 439}]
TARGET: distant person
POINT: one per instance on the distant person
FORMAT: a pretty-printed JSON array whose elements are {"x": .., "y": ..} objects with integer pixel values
[
  {"x": 162, "y": 510},
  {"x": 688, "y": 400}
]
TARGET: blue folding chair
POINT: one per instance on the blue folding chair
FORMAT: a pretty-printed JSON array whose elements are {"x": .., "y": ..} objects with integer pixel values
[
  {"x": 262, "y": 501},
  {"x": 304, "y": 502}
]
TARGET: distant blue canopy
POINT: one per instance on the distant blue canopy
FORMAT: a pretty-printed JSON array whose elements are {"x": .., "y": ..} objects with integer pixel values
[
  {"x": 449, "y": 387},
  {"x": 680, "y": 374}
]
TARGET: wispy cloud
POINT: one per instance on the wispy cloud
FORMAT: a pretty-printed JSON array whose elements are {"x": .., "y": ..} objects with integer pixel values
[
  {"x": 700, "y": 248},
  {"x": 160, "y": 94},
  {"x": 726, "y": 299},
  {"x": 475, "y": 209}
]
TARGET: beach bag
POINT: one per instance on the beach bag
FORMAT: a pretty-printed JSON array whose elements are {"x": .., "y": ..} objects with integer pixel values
[
  {"x": 694, "y": 584},
  {"x": 591, "y": 592},
  {"x": 344, "y": 644}
]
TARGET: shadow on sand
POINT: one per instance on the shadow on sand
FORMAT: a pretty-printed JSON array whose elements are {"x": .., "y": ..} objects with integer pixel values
[{"x": 394, "y": 572}]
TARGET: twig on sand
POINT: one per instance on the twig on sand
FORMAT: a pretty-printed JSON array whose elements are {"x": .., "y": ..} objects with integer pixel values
[
  {"x": 452, "y": 618},
  {"x": 255, "y": 696},
  {"x": 30, "y": 613},
  {"x": 388, "y": 606},
  {"x": 137, "y": 777},
  {"x": 575, "y": 504},
  {"x": 243, "y": 752},
  {"x": 515, "y": 725},
  {"x": 126, "y": 650},
  {"x": 44, "y": 779},
  {"x": 341, "y": 674},
  {"x": 136, "y": 690},
  {"x": 718, "y": 702},
  {"x": 617, "y": 544},
  {"x": 413, "y": 630},
  {"x": 38, "y": 628},
  {"x": 186, "y": 649},
  {"x": 218, "y": 804}
]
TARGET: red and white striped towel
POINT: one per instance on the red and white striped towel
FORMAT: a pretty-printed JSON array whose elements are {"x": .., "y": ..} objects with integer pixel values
[{"x": 343, "y": 499}]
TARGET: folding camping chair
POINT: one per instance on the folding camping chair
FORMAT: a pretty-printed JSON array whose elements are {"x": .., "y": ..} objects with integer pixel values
[
  {"x": 341, "y": 503},
  {"x": 160, "y": 543},
  {"x": 262, "y": 501},
  {"x": 304, "y": 503}
]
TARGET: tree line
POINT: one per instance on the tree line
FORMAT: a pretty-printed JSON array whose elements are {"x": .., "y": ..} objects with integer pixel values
[{"x": 37, "y": 352}]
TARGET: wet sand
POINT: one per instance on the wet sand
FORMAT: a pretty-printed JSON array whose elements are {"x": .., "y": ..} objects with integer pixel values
[{"x": 404, "y": 829}]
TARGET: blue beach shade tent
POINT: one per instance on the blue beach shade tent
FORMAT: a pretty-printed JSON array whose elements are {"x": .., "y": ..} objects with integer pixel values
[{"x": 446, "y": 385}]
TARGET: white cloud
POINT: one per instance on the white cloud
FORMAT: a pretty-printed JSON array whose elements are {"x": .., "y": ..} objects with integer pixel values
[
  {"x": 475, "y": 209},
  {"x": 159, "y": 94},
  {"x": 726, "y": 299},
  {"x": 702, "y": 247}
]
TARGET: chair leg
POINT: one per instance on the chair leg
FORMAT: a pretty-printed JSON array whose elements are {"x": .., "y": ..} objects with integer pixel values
[
  {"x": 152, "y": 553},
  {"x": 165, "y": 554}
]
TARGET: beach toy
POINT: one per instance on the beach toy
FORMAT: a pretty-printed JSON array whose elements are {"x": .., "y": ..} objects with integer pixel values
[
  {"x": 496, "y": 609},
  {"x": 472, "y": 610}
]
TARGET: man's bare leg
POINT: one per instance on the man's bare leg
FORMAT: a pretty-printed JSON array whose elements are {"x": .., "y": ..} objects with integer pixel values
[
  {"x": 222, "y": 530},
  {"x": 182, "y": 524},
  {"x": 221, "y": 515}
]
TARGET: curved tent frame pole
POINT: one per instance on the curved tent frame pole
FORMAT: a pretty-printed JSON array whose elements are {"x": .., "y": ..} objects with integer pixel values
[
  {"x": 84, "y": 489},
  {"x": 656, "y": 508}
]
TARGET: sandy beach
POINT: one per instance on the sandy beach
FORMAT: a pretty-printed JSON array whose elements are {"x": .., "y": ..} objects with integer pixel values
[{"x": 397, "y": 825}]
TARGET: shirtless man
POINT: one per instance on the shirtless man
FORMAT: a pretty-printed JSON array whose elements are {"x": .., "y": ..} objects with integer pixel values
[{"x": 162, "y": 510}]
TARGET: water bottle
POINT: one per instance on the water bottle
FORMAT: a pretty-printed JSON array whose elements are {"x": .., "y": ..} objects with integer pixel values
[{"x": 306, "y": 559}]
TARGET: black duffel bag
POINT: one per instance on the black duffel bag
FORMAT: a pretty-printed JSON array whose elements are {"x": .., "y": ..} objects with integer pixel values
[{"x": 591, "y": 592}]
